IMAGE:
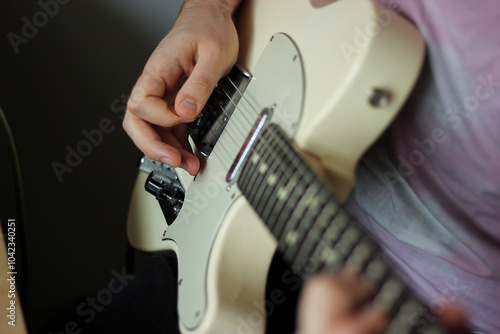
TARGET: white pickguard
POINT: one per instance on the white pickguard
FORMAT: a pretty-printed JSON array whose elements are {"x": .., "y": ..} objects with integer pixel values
[
  {"x": 321, "y": 100},
  {"x": 277, "y": 82}
]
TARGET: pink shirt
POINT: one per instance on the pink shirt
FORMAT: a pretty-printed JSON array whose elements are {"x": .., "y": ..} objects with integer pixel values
[{"x": 430, "y": 193}]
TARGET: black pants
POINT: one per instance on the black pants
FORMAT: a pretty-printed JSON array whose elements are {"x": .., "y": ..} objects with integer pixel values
[{"x": 145, "y": 302}]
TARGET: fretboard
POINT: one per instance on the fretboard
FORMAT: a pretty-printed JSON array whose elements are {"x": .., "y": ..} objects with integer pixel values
[{"x": 315, "y": 233}]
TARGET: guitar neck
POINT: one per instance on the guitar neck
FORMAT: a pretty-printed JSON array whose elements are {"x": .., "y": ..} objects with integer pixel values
[{"x": 315, "y": 233}]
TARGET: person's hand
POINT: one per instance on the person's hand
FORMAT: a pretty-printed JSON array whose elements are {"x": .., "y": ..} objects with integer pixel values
[
  {"x": 178, "y": 79},
  {"x": 338, "y": 304}
]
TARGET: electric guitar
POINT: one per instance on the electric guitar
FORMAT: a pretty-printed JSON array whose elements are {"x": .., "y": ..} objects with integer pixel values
[{"x": 313, "y": 89}]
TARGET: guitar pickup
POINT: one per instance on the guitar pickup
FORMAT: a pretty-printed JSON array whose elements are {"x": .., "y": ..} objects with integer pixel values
[{"x": 206, "y": 129}]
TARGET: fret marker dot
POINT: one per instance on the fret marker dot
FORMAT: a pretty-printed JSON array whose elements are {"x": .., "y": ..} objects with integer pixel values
[
  {"x": 263, "y": 168},
  {"x": 255, "y": 158},
  {"x": 291, "y": 237},
  {"x": 282, "y": 193},
  {"x": 271, "y": 180},
  {"x": 330, "y": 255}
]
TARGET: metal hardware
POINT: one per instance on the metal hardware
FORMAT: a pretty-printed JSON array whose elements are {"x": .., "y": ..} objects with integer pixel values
[
  {"x": 379, "y": 97},
  {"x": 264, "y": 117},
  {"x": 164, "y": 184}
]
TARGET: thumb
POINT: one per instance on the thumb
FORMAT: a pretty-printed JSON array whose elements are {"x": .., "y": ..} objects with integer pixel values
[{"x": 195, "y": 92}]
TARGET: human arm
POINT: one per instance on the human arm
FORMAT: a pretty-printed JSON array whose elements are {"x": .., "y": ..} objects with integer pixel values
[{"x": 178, "y": 79}]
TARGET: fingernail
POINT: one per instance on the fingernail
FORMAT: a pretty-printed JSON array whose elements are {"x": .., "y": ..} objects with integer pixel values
[
  {"x": 166, "y": 161},
  {"x": 188, "y": 106}
]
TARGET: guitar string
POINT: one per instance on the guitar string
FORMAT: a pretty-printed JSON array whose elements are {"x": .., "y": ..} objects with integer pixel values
[
  {"x": 268, "y": 152},
  {"x": 280, "y": 170},
  {"x": 263, "y": 149},
  {"x": 221, "y": 145},
  {"x": 256, "y": 111},
  {"x": 296, "y": 162},
  {"x": 302, "y": 169},
  {"x": 247, "y": 96},
  {"x": 246, "y": 123}
]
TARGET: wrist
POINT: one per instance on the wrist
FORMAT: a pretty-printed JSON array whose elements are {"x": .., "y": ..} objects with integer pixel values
[{"x": 223, "y": 6}]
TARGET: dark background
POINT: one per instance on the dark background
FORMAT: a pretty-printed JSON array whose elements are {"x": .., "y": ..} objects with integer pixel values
[{"x": 72, "y": 74}]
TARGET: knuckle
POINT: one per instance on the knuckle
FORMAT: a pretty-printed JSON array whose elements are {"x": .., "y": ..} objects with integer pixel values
[
  {"x": 133, "y": 104},
  {"x": 126, "y": 124},
  {"x": 202, "y": 82}
]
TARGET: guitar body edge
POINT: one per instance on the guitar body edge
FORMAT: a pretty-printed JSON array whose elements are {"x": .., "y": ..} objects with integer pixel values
[
  {"x": 349, "y": 49},
  {"x": 336, "y": 108},
  {"x": 237, "y": 274}
]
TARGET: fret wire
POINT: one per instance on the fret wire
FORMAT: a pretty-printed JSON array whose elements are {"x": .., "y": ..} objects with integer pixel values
[
  {"x": 275, "y": 208},
  {"x": 315, "y": 234},
  {"x": 361, "y": 261},
  {"x": 404, "y": 295},
  {"x": 401, "y": 321},
  {"x": 248, "y": 171},
  {"x": 259, "y": 156},
  {"x": 253, "y": 159},
  {"x": 286, "y": 171},
  {"x": 292, "y": 252},
  {"x": 269, "y": 187},
  {"x": 295, "y": 197},
  {"x": 247, "y": 96},
  {"x": 297, "y": 217},
  {"x": 269, "y": 207},
  {"x": 305, "y": 222},
  {"x": 243, "y": 180},
  {"x": 266, "y": 144},
  {"x": 278, "y": 212},
  {"x": 258, "y": 185},
  {"x": 266, "y": 199},
  {"x": 330, "y": 245},
  {"x": 376, "y": 272}
]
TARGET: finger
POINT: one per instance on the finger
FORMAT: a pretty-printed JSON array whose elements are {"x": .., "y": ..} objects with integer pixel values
[
  {"x": 177, "y": 137},
  {"x": 181, "y": 132},
  {"x": 324, "y": 298},
  {"x": 195, "y": 92},
  {"x": 147, "y": 101},
  {"x": 189, "y": 162},
  {"x": 150, "y": 142},
  {"x": 357, "y": 290},
  {"x": 371, "y": 320},
  {"x": 453, "y": 316}
]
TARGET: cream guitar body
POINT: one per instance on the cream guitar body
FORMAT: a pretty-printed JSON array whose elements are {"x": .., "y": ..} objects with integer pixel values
[{"x": 332, "y": 79}]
